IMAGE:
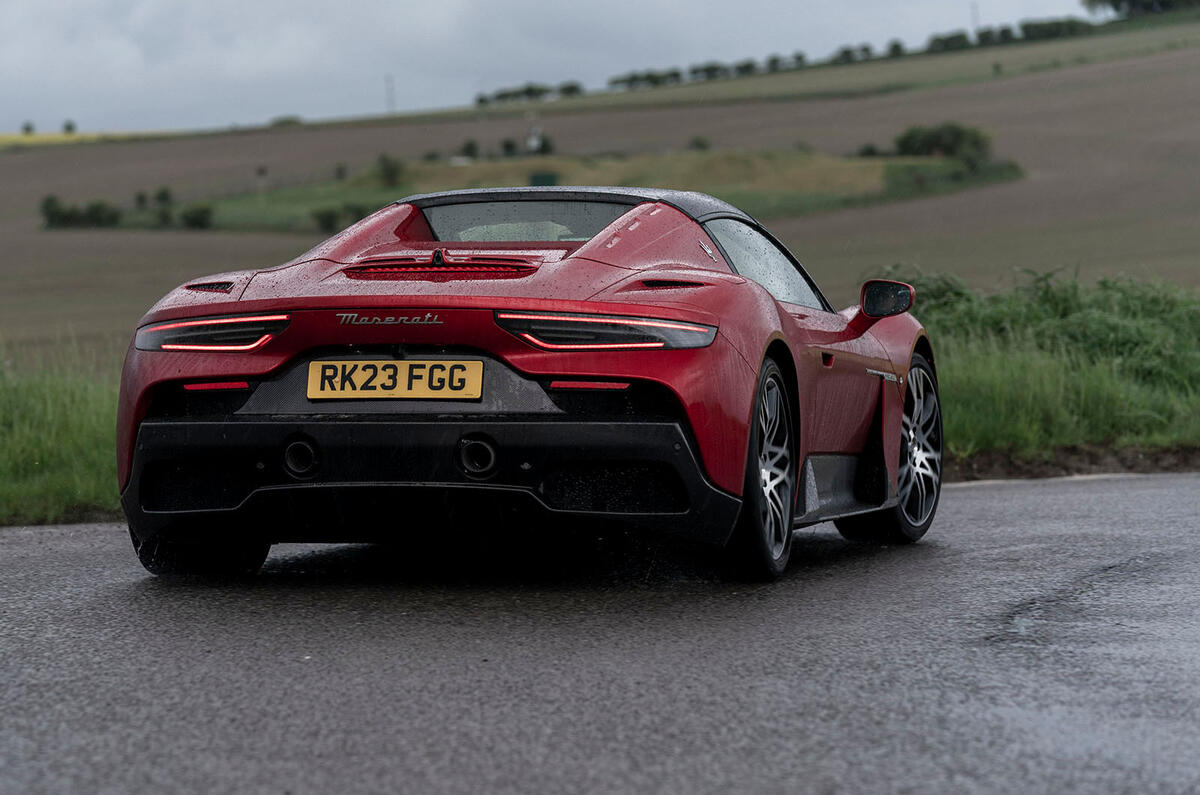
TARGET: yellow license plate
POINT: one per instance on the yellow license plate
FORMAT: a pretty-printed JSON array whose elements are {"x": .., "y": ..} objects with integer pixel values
[{"x": 362, "y": 379}]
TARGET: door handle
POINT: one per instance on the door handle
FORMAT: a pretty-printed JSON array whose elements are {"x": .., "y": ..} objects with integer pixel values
[{"x": 826, "y": 359}]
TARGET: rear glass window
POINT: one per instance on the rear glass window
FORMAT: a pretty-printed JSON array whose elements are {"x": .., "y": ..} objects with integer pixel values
[{"x": 526, "y": 221}]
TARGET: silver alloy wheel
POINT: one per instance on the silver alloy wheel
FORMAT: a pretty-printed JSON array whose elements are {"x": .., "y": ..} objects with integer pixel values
[
  {"x": 775, "y": 466},
  {"x": 921, "y": 448}
]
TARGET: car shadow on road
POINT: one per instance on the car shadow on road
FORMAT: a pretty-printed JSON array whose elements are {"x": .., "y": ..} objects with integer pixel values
[{"x": 546, "y": 560}]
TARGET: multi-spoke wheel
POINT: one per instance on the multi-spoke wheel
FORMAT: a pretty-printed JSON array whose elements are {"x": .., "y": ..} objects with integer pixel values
[
  {"x": 762, "y": 540},
  {"x": 920, "y": 477}
]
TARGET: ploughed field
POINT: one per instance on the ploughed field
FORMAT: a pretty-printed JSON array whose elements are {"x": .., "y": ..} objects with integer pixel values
[{"x": 1109, "y": 152}]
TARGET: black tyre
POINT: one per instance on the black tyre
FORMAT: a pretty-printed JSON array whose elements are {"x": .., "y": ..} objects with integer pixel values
[
  {"x": 762, "y": 540},
  {"x": 224, "y": 558},
  {"x": 920, "y": 481}
]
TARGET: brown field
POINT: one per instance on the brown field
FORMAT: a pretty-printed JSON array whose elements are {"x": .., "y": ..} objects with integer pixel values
[{"x": 1111, "y": 150}]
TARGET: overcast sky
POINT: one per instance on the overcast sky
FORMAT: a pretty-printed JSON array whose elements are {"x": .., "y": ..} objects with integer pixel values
[{"x": 182, "y": 64}]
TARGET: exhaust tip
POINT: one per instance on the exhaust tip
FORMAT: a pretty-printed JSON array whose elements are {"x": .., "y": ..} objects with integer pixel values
[
  {"x": 300, "y": 459},
  {"x": 477, "y": 456}
]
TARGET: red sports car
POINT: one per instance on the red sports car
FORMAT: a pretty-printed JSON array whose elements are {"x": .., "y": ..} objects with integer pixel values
[{"x": 649, "y": 356}]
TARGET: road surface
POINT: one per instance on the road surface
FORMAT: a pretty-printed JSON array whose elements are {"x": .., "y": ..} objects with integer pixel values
[{"x": 1044, "y": 637}]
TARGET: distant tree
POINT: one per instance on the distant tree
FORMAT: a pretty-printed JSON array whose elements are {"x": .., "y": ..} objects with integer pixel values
[
  {"x": 68, "y": 127},
  {"x": 571, "y": 88},
  {"x": 481, "y": 101},
  {"x": 1006, "y": 35},
  {"x": 51, "y": 209},
  {"x": 673, "y": 76},
  {"x": 340, "y": 171},
  {"x": 865, "y": 53},
  {"x": 1130, "y": 8},
  {"x": 508, "y": 147},
  {"x": 799, "y": 59},
  {"x": 469, "y": 148},
  {"x": 775, "y": 63},
  {"x": 895, "y": 48},
  {"x": 390, "y": 170},
  {"x": 326, "y": 219},
  {"x": 197, "y": 216},
  {"x": 163, "y": 197},
  {"x": 712, "y": 70},
  {"x": 745, "y": 68},
  {"x": 545, "y": 146},
  {"x": 987, "y": 37},
  {"x": 844, "y": 55},
  {"x": 699, "y": 144},
  {"x": 535, "y": 91},
  {"x": 431, "y": 156},
  {"x": 958, "y": 40},
  {"x": 140, "y": 200},
  {"x": 950, "y": 139},
  {"x": 27, "y": 128}
]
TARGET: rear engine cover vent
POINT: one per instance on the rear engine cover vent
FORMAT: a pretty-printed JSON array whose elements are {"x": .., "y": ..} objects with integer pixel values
[{"x": 211, "y": 287}]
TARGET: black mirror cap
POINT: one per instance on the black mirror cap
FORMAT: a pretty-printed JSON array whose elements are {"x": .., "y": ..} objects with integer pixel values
[{"x": 883, "y": 298}]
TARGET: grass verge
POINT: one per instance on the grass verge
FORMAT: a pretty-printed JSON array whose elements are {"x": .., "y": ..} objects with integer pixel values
[
  {"x": 1051, "y": 377},
  {"x": 1056, "y": 364},
  {"x": 57, "y": 438}
]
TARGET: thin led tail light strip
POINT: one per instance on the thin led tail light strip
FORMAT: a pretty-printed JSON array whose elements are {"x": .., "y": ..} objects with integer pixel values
[
  {"x": 216, "y": 321},
  {"x": 612, "y": 321},
  {"x": 589, "y": 346},
  {"x": 261, "y": 341}
]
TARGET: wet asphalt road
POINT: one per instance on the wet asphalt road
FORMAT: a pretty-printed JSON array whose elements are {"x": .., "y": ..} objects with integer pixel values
[{"x": 1044, "y": 637}]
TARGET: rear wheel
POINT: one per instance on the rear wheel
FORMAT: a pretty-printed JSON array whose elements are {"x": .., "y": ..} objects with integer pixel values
[
  {"x": 920, "y": 479},
  {"x": 762, "y": 540},
  {"x": 218, "y": 559}
]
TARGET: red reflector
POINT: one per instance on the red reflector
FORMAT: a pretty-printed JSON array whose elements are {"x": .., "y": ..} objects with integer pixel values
[
  {"x": 589, "y": 385},
  {"x": 217, "y": 385}
]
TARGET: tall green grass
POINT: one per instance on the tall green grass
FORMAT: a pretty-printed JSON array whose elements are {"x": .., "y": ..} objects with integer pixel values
[
  {"x": 57, "y": 436},
  {"x": 1058, "y": 363}
]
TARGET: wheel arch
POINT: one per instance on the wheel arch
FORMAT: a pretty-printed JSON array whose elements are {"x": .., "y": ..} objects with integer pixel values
[{"x": 922, "y": 346}]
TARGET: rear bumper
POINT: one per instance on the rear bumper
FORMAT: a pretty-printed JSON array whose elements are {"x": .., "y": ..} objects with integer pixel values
[{"x": 381, "y": 477}]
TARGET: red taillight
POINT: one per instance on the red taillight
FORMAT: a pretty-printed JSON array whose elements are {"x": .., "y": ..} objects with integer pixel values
[
  {"x": 216, "y": 385},
  {"x": 577, "y": 332},
  {"x": 236, "y": 334}
]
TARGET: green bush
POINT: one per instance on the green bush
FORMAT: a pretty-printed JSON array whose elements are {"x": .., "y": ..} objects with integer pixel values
[
  {"x": 949, "y": 42},
  {"x": 101, "y": 213},
  {"x": 327, "y": 219},
  {"x": 340, "y": 171},
  {"x": 163, "y": 197},
  {"x": 68, "y": 127},
  {"x": 949, "y": 139},
  {"x": 55, "y": 214},
  {"x": 140, "y": 200},
  {"x": 390, "y": 170},
  {"x": 469, "y": 148},
  {"x": 868, "y": 150},
  {"x": 545, "y": 146},
  {"x": 197, "y": 216},
  {"x": 508, "y": 147},
  {"x": 895, "y": 48},
  {"x": 699, "y": 143},
  {"x": 1042, "y": 29}
]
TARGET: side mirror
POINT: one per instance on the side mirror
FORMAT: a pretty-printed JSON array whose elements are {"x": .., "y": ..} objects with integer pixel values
[{"x": 882, "y": 298}]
